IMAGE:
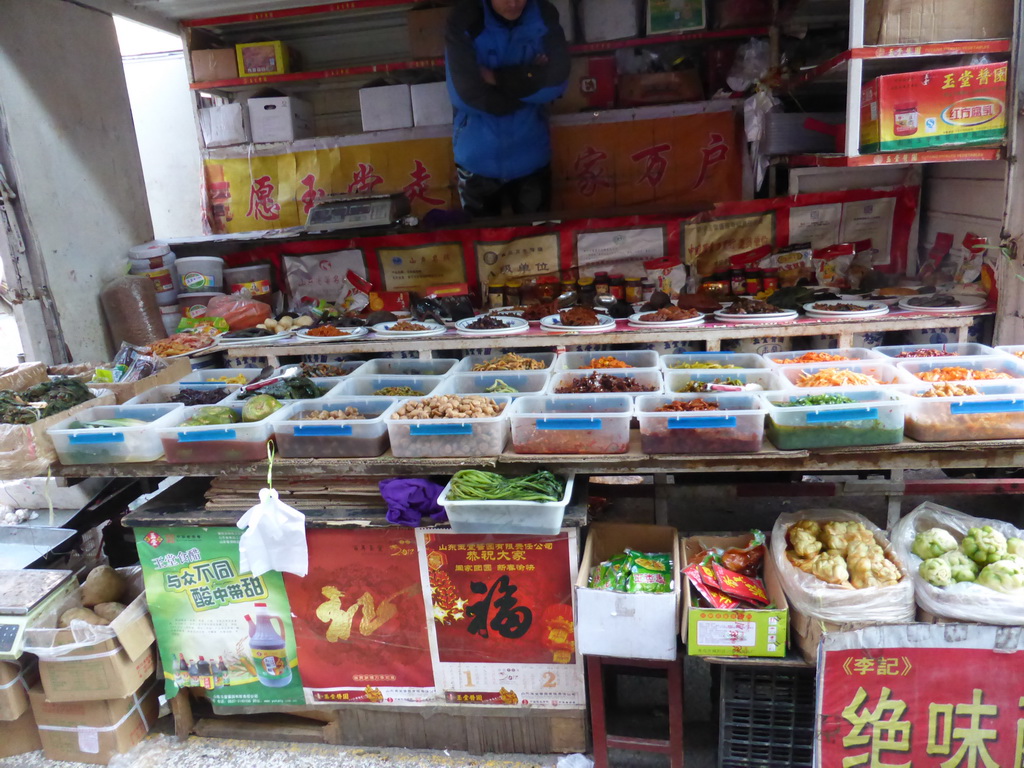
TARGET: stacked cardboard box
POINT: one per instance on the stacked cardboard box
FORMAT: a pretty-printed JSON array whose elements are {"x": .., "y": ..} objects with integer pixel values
[{"x": 18, "y": 732}]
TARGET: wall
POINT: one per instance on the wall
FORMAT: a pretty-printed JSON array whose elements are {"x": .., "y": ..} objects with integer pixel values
[{"x": 71, "y": 156}]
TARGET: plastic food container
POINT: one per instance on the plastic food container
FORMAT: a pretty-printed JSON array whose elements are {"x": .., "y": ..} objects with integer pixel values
[
  {"x": 539, "y": 518},
  {"x": 163, "y": 282},
  {"x": 875, "y": 418},
  {"x": 525, "y": 383},
  {"x": 366, "y": 386},
  {"x": 996, "y": 414},
  {"x": 576, "y": 361},
  {"x": 171, "y": 316},
  {"x": 164, "y": 393},
  {"x": 348, "y": 366},
  {"x": 999, "y": 363},
  {"x": 200, "y": 274},
  {"x": 734, "y": 359},
  {"x": 388, "y": 367},
  {"x": 194, "y": 304},
  {"x": 764, "y": 378},
  {"x": 326, "y": 384},
  {"x": 738, "y": 427},
  {"x": 150, "y": 256},
  {"x": 958, "y": 350},
  {"x": 254, "y": 278},
  {"x": 853, "y": 353},
  {"x": 214, "y": 443},
  {"x": 115, "y": 445},
  {"x": 646, "y": 377},
  {"x": 465, "y": 365},
  {"x": 1014, "y": 351},
  {"x": 432, "y": 438},
  {"x": 881, "y": 369},
  {"x": 214, "y": 377},
  {"x": 571, "y": 424},
  {"x": 298, "y": 437}
]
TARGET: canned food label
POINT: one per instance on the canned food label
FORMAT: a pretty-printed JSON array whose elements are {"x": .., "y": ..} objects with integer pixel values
[
  {"x": 254, "y": 287},
  {"x": 162, "y": 282},
  {"x": 195, "y": 280},
  {"x": 196, "y": 310}
]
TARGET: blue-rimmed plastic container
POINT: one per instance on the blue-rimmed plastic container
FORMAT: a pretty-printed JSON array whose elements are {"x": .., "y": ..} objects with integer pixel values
[
  {"x": 649, "y": 378},
  {"x": 466, "y": 364},
  {"x": 997, "y": 413},
  {"x": 112, "y": 445},
  {"x": 850, "y": 353},
  {"x": 298, "y": 436},
  {"x": 164, "y": 393},
  {"x": 881, "y": 369},
  {"x": 214, "y": 443},
  {"x": 437, "y": 438},
  {"x": 634, "y": 358},
  {"x": 384, "y": 366},
  {"x": 538, "y": 518},
  {"x": 764, "y": 378},
  {"x": 875, "y": 417},
  {"x": 366, "y": 386},
  {"x": 524, "y": 382},
  {"x": 734, "y": 359},
  {"x": 571, "y": 424},
  {"x": 209, "y": 376},
  {"x": 736, "y": 427},
  {"x": 1011, "y": 367},
  {"x": 953, "y": 349},
  {"x": 326, "y": 384}
]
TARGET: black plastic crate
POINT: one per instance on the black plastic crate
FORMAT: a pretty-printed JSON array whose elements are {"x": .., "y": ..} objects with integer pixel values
[{"x": 766, "y": 718}]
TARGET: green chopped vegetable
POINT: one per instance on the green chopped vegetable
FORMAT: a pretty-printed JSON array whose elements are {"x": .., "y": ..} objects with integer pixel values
[
  {"x": 1015, "y": 546},
  {"x": 700, "y": 364},
  {"x": 933, "y": 543},
  {"x": 822, "y": 399},
  {"x": 42, "y": 400},
  {"x": 500, "y": 386},
  {"x": 705, "y": 386},
  {"x": 259, "y": 407},
  {"x": 475, "y": 485},
  {"x": 399, "y": 392},
  {"x": 937, "y": 572},
  {"x": 295, "y": 388},
  {"x": 984, "y": 545},
  {"x": 212, "y": 415}
]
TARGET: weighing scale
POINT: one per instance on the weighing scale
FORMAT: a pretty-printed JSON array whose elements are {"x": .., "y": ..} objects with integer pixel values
[
  {"x": 26, "y": 598},
  {"x": 339, "y": 212}
]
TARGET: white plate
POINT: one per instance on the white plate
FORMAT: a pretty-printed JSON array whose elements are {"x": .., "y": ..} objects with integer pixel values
[
  {"x": 352, "y": 333},
  {"x": 554, "y": 323},
  {"x": 771, "y": 317},
  {"x": 967, "y": 304},
  {"x": 385, "y": 328},
  {"x": 635, "y": 321},
  {"x": 511, "y": 324},
  {"x": 254, "y": 342},
  {"x": 505, "y": 312},
  {"x": 411, "y": 334},
  {"x": 870, "y": 308}
]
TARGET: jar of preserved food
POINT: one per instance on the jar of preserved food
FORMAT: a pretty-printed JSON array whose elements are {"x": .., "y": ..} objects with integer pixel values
[
  {"x": 547, "y": 288},
  {"x": 513, "y": 293},
  {"x": 495, "y": 295},
  {"x": 528, "y": 292},
  {"x": 752, "y": 276},
  {"x": 648, "y": 289},
  {"x": 586, "y": 292},
  {"x": 601, "y": 283},
  {"x": 737, "y": 283},
  {"x": 617, "y": 286},
  {"x": 634, "y": 290},
  {"x": 771, "y": 280}
]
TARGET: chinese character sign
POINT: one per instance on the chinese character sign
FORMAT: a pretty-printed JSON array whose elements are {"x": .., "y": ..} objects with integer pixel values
[
  {"x": 922, "y": 707},
  {"x": 217, "y": 627},
  {"x": 518, "y": 258}
]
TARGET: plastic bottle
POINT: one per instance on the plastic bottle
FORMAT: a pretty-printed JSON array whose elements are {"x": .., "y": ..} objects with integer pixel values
[
  {"x": 267, "y": 645},
  {"x": 133, "y": 314}
]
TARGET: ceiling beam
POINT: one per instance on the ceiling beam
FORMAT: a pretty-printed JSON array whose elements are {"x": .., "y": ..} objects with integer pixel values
[{"x": 129, "y": 11}]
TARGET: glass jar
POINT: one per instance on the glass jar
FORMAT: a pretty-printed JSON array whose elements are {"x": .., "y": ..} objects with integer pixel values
[
  {"x": 601, "y": 283},
  {"x": 737, "y": 283},
  {"x": 617, "y": 286},
  {"x": 770, "y": 284},
  {"x": 495, "y": 295},
  {"x": 752, "y": 276},
  {"x": 586, "y": 292},
  {"x": 547, "y": 289},
  {"x": 568, "y": 286},
  {"x": 528, "y": 292},
  {"x": 648, "y": 288},
  {"x": 514, "y": 293},
  {"x": 634, "y": 290}
]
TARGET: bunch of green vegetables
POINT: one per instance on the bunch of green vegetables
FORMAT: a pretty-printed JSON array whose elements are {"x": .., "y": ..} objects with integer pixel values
[
  {"x": 475, "y": 485},
  {"x": 295, "y": 388},
  {"x": 42, "y": 400},
  {"x": 985, "y": 557}
]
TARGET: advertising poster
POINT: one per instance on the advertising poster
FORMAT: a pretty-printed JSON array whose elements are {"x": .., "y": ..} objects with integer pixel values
[
  {"x": 517, "y": 258},
  {"x": 217, "y": 627},
  {"x": 359, "y": 618},
  {"x": 501, "y": 610}
]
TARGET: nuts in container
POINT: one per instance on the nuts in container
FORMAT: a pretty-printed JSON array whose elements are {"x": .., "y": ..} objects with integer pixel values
[{"x": 450, "y": 407}]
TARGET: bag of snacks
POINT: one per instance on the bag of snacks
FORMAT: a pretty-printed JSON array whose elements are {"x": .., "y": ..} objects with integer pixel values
[
  {"x": 240, "y": 310},
  {"x": 634, "y": 572}
]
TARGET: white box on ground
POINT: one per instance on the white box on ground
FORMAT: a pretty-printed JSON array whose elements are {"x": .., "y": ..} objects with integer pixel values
[
  {"x": 385, "y": 107},
  {"x": 609, "y": 20},
  {"x": 430, "y": 104},
  {"x": 280, "y": 118},
  {"x": 629, "y": 626},
  {"x": 224, "y": 125}
]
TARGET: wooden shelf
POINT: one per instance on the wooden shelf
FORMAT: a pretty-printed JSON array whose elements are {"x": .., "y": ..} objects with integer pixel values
[{"x": 895, "y": 158}]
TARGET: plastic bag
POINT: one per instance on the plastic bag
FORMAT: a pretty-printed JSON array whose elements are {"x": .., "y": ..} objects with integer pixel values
[
  {"x": 965, "y": 600},
  {"x": 752, "y": 61},
  {"x": 832, "y": 602},
  {"x": 240, "y": 310},
  {"x": 274, "y": 538}
]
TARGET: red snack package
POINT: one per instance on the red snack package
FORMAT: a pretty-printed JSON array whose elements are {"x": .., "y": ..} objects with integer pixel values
[
  {"x": 715, "y": 597},
  {"x": 738, "y": 585}
]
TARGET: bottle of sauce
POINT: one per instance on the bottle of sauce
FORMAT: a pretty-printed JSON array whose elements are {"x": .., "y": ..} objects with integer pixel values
[
  {"x": 586, "y": 292},
  {"x": 514, "y": 293},
  {"x": 634, "y": 290},
  {"x": 737, "y": 283},
  {"x": 617, "y": 286},
  {"x": 267, "y": 645},
  {"x": 752, "y": 275},
  {"x": 495, "y": 295},
  {"x": 601, "y": 283}
]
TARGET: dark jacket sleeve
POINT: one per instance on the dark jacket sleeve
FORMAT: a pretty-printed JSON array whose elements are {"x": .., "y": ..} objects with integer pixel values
[
  {"x": 463, "y": 67},
  {"x": 524, "y": 81}
]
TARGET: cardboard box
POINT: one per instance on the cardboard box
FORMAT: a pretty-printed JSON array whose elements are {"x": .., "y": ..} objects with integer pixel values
[
  {"x": 95, "y": 731},
  {"x": 385, "y": 107},
  {"x": 175, "y": 370},
  {"x": 807, "y": 632},
  {"x": 16, "y": 677},
  {"x": 659, "y": 88},
  {"x": 280, "y": 118},
  {"x": 96, "y": 672},
  {"x": 269, "y": 57},
  {"x": 897, "y": 22},
  {"x": 720, "y": 632},
  {"x": 214, "y": 64},
  {"x": 641, "y": 626},
  {"x": 426, "y": 31},
  {"x": 675, "y": 16},
  {"x": 960, "y": 106},
  {"x": 591, "y": 85},
  {"x": 430, "y": 104},
  {"x": 19, "y": 736},
  {"x": 609, "y": 20},
  {"x": 224, "y": 125}
]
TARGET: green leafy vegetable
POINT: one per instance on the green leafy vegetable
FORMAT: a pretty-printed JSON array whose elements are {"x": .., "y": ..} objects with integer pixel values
[
  {"x": 500, "y": 386},
  {"x": 823, "y": 399},
  {"x": 42, "y": 400},
  {"x": 475, "y": 485},
  {"x": 295, "y": 388}
]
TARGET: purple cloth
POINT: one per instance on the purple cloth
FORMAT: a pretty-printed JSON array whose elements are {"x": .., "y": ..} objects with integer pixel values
[{"x": 410, "y": 500}]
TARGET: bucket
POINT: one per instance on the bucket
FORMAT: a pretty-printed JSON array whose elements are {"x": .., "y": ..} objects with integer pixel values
[
  {"x": 163, "y": 282},
  {"x": 254, "y": 278},
  {"x": 150, "y": 256},
  {"x": 200, "y": 274},
  {"x": 171, "y": 316},
  {"x": 194, "y": 304}
]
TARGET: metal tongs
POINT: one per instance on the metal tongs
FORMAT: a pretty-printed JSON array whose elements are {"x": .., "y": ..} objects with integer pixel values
[{"x": 259, "y": 383}]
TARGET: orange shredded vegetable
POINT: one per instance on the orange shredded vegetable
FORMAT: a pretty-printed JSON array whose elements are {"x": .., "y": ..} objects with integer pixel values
[
  {"x": 607, "y": 362},
  {"x": 813, "y": 357},
  {"x": 958, "y": 373},
  {"x": 836, "y": 377}
]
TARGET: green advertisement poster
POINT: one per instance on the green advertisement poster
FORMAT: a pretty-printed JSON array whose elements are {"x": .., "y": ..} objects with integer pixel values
[{"x": 218, "y": 628}]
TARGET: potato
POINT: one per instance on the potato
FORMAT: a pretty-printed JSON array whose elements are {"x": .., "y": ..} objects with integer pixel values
[
  {"x": 109, "y": 611},
  {"x": 304, "y": 322},
  {"x": 81, "y": 614},
  {"x": 102, "y": 585}
]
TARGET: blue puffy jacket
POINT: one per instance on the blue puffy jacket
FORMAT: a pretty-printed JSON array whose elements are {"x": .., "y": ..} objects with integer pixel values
[{"x": 501, "y": 130}]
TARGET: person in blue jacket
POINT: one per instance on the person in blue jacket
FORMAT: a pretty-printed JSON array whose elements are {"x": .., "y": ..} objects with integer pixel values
[{"x": 506, "y": 60}]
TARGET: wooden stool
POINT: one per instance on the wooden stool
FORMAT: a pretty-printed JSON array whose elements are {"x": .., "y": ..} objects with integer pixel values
[{"x": 673, "y": 746}]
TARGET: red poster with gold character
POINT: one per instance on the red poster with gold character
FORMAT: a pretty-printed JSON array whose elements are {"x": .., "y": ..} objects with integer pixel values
[
  {"x": 360, "y": 624},
  {"x": 502, "y": 610}
]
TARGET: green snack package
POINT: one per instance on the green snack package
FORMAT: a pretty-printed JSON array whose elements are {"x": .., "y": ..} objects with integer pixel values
[
  {"x": 651, "y": 572},
  {"x": 619, "y": 578}
]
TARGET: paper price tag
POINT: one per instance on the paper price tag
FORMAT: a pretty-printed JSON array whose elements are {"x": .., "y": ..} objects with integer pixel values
[{"x": 88, "y": 740}]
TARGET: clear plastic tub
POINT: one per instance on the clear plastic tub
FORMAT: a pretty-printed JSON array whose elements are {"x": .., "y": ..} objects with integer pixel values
[
  {"x": 465, "y": 365},
  {"x": 764, "y": 378},
  {"x": 366, "y": 386},
  {"x": 996, "y": 414},
  {"x": 720, "y": 359},
  {"x": 387, "y": 367},
  {"x": 1015, "y": 351},
  {"x": 572, "y": 424},
  {"x": 881, "y": 369},
  {"x": 350, "y": 367},
  {"x": 649, "y": 378},
  {"x": 114, "y": 445},
  {"x": 525, "y": 383},
  {"x": 433, "y": 438},
  {"x": 298, "y": 437},
  {"x": 852, "y": 353},
  {"x": 957, "y": 350},
  {"x": 737, "y": 427},
  {"x": 516, "y": 517},
  {"x": 874, "y": 418},
  {"x": 326, "y": 384},
  {"x": 999, "y": 363},
  {"x": 214, "y": 443},
  {"x": 214, "y": 377},
  {"x": 164, "y": 393},
  {"x": 580, "y": 361}
]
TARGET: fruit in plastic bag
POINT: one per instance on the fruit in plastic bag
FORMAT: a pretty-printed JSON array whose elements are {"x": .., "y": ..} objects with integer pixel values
[
  {"x": 961, "y": 566},
  {"x": 238, "y": 310},
  {"x": 933, "y": 543},
  {"x": 1002, "y": 576},
  {"x": 937, "y": 572},
  {"x": 984, "y": 545}
]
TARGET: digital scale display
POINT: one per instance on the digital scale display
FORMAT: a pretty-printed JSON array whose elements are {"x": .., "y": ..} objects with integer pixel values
[{"x": 346, "y": 212}]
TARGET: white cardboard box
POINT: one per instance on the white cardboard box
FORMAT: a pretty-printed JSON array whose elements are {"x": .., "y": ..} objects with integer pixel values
[
  {"x": 430, "y": 104},
  {"x": 224, "y": 125},
  {"x": 281, "y": 118},
  {"x": 609, "y": 20},
  {"x": 641, "y": 626},
  {"x": 385, "y": 107}
]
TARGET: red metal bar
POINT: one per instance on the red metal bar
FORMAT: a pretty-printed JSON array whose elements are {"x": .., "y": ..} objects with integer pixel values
[
  {"x": 288, "y": 13},
  {"x": 325, "y": 74},
  {"x": 931, "y": 49}
]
